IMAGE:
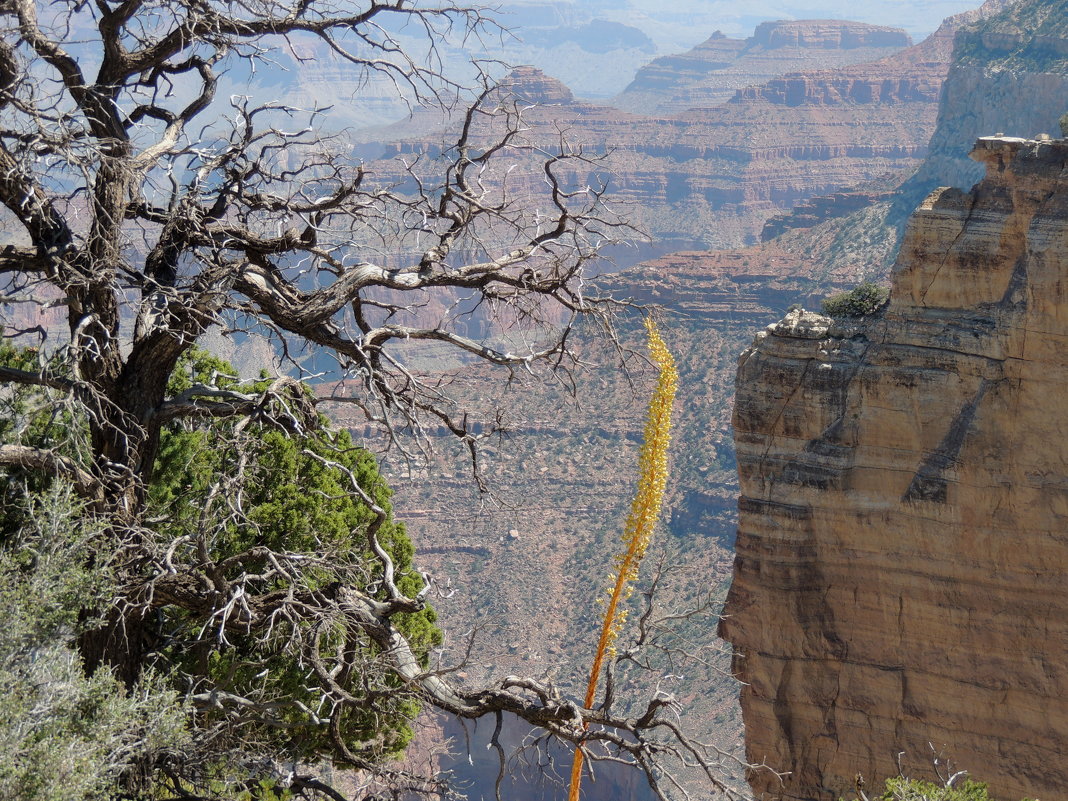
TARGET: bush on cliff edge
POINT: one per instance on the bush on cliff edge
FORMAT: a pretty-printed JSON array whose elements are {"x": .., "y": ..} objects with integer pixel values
[
  {"x": 857, "y": 302},
  {"x": 901, "y": 789}
]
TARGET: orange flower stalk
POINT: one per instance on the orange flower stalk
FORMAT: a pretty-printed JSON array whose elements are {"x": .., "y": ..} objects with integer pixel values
[{"x": 644, "y": 512}]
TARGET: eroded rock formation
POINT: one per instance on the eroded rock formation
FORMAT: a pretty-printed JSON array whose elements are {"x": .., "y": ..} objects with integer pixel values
[
  {"x": 710, "y": 73},
  {"x": 815, "y": 210},
  {"x": 1010, "y": 74},
  {"x": 715, "y": 174},
  {"x": 903, "y": 520},
  {"x": 710, "y": 176}
]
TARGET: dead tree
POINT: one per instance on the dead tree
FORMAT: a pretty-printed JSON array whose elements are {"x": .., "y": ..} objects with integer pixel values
[{"x": 151, "y": 209}]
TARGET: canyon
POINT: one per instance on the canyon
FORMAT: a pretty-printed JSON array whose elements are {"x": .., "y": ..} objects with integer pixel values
[
  {"x": 711, "y": 73},
  {"x": 560, "y": 476},
  {"x": 791, "y": 169},
  {"x": 713, "y": 175},
  {"x": 897, "y": 549},
  {"x": 519, "y": 567},
  {"x": 595, "y": 47}
]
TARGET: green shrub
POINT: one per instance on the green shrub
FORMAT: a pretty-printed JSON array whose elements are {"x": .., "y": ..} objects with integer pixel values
[
  {"x": 67, "y": 736},
  {"x": 296, "y": 497},
  {"x": 915, "y": 790},
  {"x": 219, "y": 490},
  {"x": 1064, "y": 125},
  {"x": 860, "y": 301},
  {"x": 900, "y": 789}
]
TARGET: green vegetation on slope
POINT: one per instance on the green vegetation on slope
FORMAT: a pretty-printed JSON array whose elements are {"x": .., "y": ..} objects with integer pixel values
[
  {"x": 900, "y": 789},
  {"x": 1022, "y": 37}
]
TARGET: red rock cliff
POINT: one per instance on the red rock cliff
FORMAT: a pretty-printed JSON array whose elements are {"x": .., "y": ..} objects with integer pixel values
[{"x": 903, "y": 520}]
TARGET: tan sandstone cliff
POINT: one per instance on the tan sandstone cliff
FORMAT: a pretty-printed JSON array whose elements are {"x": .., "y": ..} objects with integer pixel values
[{"x": 903, "y": 521}]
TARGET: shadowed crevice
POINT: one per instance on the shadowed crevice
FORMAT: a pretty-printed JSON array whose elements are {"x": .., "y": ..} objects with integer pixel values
[{"x": 929, "y": 482}]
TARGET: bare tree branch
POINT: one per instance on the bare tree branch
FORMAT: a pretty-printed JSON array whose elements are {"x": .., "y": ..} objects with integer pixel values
[
  {"x": 14, "y": 375},
  {"x": 52, "y": 464},
  {"x": 155, "y": 211}
]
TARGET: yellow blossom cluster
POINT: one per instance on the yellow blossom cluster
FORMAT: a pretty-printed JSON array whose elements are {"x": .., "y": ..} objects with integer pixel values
[
  {"x": 644, "y": 513},
  {"x": 652, "y": 479}
]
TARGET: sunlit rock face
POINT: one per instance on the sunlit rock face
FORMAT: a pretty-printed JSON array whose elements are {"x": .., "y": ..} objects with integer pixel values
[
  {"x": 903, "y": 519},
  {"x": 1009, "y": 74}
]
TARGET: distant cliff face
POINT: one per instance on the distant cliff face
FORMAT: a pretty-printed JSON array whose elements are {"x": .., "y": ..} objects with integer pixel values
[
  {"x": 907, "y": 83},
  {"x": 712, "y": 175},
  {"x": 823, "y": 34},
  {"x": 912, "y": 75},
  {"x": 712, "y": 72},
  {"x": 903, "y": 520},
  {"x": 1010, "y": 75}
]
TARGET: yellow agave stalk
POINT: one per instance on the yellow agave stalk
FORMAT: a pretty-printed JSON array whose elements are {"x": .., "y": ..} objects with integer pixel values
[{"x": 644, "y": 512}]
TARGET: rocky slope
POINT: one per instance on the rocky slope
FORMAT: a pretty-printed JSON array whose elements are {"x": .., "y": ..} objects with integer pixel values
[
  {"x": 901, "y": 539},
  {"x": 710, "y": 73},
  {"x": 815, "y": 210},
  {"x": 1010, "y": 76}
]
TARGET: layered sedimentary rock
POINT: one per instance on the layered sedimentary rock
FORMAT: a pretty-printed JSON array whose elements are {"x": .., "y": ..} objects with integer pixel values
[
  {"x": 714, "y": 175},
  {"x": 1010, "y": 74},
  {"x": 825, "y": 34},
  {"x": 903, "y": 519},
  {"x": 710, "y": 175},
  {"x": 531, "y": 85},
  {"x": 917, "y": 85},
  {"x": 710, "y": 73},
  {"x": 819, "y": 209},
  {"x": 913, "y": 76}
]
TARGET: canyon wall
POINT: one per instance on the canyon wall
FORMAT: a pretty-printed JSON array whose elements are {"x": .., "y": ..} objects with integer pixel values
[
  {"x": 1009, "y": 74},
  {"x": 903, "y": 519},
  {"x": 911, "y": 78},
  {"x": 710, "y": 73},
  {"x": 714, "y": 174},
  {"x": 708, "y": 176}
]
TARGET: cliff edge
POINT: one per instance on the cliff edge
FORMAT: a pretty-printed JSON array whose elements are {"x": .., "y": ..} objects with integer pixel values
[
  {"x": 1009, "y": 73},
  {"x": 903, "y": 519}
]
